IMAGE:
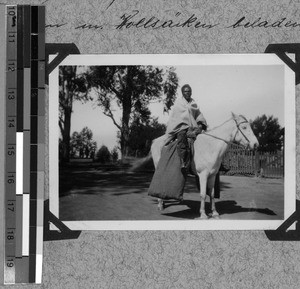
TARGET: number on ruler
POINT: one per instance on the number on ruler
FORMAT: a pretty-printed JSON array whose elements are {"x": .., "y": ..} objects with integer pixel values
[
  {"x": 11, "y": 150},
  {"x": 10, "y": 179},
  {"x": 11, "y": 66},
  {"x": 11, "y": 10},
  {"x": 10, "y": 235},
  {"x": 11, "y": 37},
  {"x": 10, "y": 263},
  {"x": 11, "y": 206},
  {"x": 11, "y": 122},
  {"x": 11, "y": 94}
]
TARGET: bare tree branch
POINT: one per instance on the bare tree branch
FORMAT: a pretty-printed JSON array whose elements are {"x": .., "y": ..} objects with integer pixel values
[{"x": 109, "y": 114}]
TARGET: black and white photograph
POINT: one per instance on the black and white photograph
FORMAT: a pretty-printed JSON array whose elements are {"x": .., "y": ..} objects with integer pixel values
[{"x": 172, "y": 142}]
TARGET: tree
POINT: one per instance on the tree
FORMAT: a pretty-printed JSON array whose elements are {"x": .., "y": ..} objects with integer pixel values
[
  {"x": 269, "y": 133},
  {"x": 72, "y": 86},
  {"x": 142, "y": 134},
  {"x": 103, "y": 155},
  {"x": 82, "y": 144},
  {"x": 114, "y": 154},
  {"x": 131, "y": 89}
]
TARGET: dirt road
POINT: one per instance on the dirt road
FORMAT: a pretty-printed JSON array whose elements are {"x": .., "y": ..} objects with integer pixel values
[{"x": 95, "y": 194}]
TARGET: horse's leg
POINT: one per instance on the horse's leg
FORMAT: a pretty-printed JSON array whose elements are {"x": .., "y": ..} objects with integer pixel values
[
  {"x": 160, "y": 204},
  {"x": 197, "y": 182},
  {"x": 211, "y": 193},
  {"x": 203, "y": 184}
]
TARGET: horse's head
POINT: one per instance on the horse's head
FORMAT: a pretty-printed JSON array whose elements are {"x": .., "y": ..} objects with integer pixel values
[{"x": 244, "y": 134}]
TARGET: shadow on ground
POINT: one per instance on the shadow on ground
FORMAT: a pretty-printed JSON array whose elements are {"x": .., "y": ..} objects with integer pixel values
[
  {"x": 86, "y": 188},
  {"x": 92, "y": 181},
  {"x": 223, "y": 207}
]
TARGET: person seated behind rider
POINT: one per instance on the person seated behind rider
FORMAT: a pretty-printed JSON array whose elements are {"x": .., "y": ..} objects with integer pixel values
[{"x": 186, "y": 120}]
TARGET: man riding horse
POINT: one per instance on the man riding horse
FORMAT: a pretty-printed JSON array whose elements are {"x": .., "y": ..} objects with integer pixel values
[{"x": 185, "y": 123}]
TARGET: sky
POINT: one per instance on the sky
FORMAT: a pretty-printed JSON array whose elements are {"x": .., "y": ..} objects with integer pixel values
[{"x": 250, "y": 90}]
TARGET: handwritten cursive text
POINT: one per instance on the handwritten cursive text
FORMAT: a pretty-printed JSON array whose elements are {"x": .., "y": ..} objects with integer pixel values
[
  {"x": 133, "y": 20},
  {"x": 283, "y": 22}
]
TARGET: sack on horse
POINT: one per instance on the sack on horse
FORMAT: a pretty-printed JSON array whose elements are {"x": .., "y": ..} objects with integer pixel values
[{"x": 168, "y": 181}]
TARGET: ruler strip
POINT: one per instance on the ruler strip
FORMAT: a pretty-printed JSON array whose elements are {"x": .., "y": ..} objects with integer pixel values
[
  {"x": 2, "y": 129},
  {"x": 37, "y": 141},
  {"x": 26, "y": 128},
  {"x": 11, "y": 131},
  {"x": 40, "y": 142},
  {"x": 33, "y": 145},
  {"x": 24, "y": 143},
  {"x": 20, "y": 266},
  {"x": 20, "y": 79}
]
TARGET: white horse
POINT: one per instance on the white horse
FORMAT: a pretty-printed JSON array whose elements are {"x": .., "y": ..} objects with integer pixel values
[{"x": 209, "y": 149}]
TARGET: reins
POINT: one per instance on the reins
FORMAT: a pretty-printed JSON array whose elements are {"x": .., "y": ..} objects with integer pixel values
[
  {"x": 216, "y": 137},
  {"x": 238, "y": 129}
]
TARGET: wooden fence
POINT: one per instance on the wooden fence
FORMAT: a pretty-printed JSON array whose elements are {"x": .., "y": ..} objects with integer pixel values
[{"x": 246, "y": 162}]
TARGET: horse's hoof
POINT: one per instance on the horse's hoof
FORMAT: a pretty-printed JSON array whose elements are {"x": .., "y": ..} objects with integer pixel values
[
  {"x": 202, "y": 217},
  {"x": 214, "y": 215}
]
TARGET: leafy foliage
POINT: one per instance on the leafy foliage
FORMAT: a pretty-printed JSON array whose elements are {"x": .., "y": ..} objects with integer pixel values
[
  {"x": 72, "y": 86},
  {"x": 130, "y": 89},
  {"x": 82, "y": 144},
  {"x": 269, "y": 133},
  {"x": 103, "y": 155},
  {"x": 169, "y": 88},
  {"x": 141, "y": 136}
]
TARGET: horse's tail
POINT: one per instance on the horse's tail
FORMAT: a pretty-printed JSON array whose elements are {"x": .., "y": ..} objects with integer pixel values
[
  {"x": 154, "y": 155},
  {"x": 141, "y": 163}
]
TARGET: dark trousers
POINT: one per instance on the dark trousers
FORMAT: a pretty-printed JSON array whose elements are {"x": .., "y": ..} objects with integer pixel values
[{"x": 183, "y": 146}]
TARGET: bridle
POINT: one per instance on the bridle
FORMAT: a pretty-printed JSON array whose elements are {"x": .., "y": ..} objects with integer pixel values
[
  {"x": 238, "y": 126},
  {"x": 238, "y": 130}
]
